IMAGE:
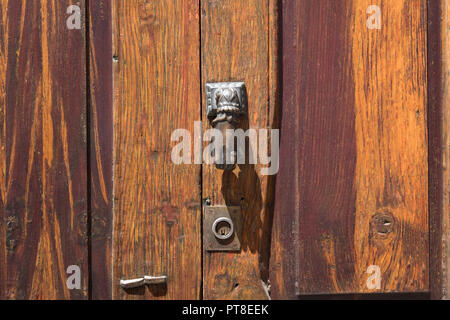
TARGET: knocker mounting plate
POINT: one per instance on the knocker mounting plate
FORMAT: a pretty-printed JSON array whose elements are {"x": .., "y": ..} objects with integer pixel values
[{"x": 225, "y": 98}]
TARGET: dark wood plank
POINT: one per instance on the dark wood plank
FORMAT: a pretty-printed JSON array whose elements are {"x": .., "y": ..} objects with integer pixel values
[
  {"x": 157, "y": 225},
  {"x": 43, "y": 206},
  {"x": 353, "y": 152},
  {"x": 101, "y": 147},
  {"x": 239, "y": 44},
  {"x": 445, "y": 36},
  {"x": 435, "y": 138},
  {"x": 439, "y": 151}
]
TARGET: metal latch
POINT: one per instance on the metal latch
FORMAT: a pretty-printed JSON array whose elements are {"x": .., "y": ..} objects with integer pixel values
[
  {"x": 222, "y": 228},
  {"x": 146, "y": 280}
]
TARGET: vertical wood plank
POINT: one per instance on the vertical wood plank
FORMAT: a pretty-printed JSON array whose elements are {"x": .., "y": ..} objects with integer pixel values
[
  {"x": 156, "y": 203},
  {"x": 101, "y": 146},
  {"x": 445, "y": 36},
  {"x": 439, "y": 158},
  {"x": 436, "y": 157},
  {"x": 352, "y": 189},
  {"x": 43, "y": 206},
  {"x": 239, "y": 44},
  {"x": 3, "y": 67},
  {"x": 392, "y": 173}
]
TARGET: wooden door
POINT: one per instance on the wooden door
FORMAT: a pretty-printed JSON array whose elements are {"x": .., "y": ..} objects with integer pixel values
[
  {"x": 352, "y": 199},
  {"x": 90, "y": 194},
  {"x": 165, "y": 54}
]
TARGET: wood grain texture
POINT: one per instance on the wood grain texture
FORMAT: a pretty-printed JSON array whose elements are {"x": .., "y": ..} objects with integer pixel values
[
  {"x": 445, "y": 38},
  {"x": 436, "y": 146},
  {"x": 43, "y": 203},
  {"x": 156, "y": 203},
  {"x": 445, "y": 134},
  {"x": 352, "y": 188},
  {"x": 101, "y": 146},
  {"x": 238, "y": 43}
]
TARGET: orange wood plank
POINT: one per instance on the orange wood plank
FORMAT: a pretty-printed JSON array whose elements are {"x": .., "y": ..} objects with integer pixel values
[
  {"x": 239, "y": 44},
  {"x": 156, "y": 203}
]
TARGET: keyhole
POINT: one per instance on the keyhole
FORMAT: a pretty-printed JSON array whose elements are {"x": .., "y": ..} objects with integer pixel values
[{"x": 223, "y": 228}]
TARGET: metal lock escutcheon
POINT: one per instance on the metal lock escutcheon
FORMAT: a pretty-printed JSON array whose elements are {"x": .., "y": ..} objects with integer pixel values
[{"x": 222, "y": 227}]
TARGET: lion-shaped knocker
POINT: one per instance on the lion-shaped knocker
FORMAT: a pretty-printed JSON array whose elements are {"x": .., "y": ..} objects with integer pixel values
[{"x": 226, "y": 104}]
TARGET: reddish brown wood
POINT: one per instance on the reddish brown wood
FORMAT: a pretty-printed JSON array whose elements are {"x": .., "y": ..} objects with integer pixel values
[
  {"x": 101, "y": 140},
  {"x": 353, "y": 150},
  {"x": 439, "y": 143},
  {"x": 43, "y": 187},
  {"x": 445, "y": 111},
  {"x": 317, "y": 156},
  {"x": 435, "y": 143}
]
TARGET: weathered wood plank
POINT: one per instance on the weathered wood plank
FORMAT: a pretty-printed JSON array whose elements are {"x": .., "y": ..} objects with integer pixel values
[
  {"x": 353, "y": 150},
  {"x": 439, "y": 145},
  {"x": 445, "y": 36},
  {"x": 43, "y": 206},
  {"x": 239, "y": 44},
  {"x": 156, "y": 203},
  {"x": 101, "y": 146},
  {"x": 436, "y": 133}
]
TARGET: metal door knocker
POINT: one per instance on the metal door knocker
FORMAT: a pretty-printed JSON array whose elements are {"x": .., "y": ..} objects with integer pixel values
[{"x": 226, "y": 103}]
